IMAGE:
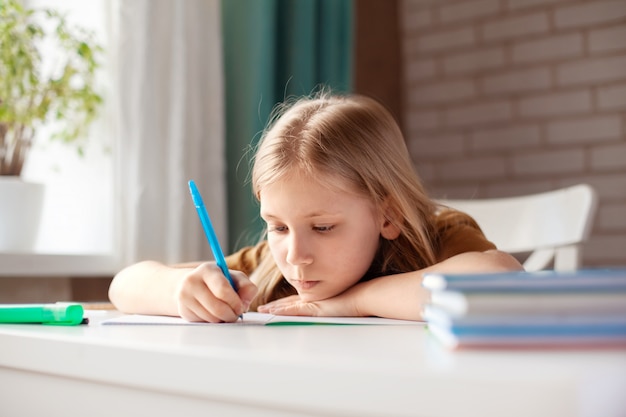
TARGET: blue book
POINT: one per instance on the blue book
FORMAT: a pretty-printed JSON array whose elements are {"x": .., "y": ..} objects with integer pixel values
[
  {"x": 560, "y": 340},
  {"x": 503, "y": 324},
  {"x": 464, "y": 304},
  {"x": 528, "y": 309},
  {"x": 526, "y": 330},
  {"x": 586, "y": 280}
]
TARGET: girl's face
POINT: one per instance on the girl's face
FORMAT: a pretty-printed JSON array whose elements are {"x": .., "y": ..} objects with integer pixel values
[{"x": 322, "y": 239}]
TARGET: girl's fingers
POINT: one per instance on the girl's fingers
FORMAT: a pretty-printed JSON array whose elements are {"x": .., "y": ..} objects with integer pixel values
[
  {"x": 220, "y": 298},
  {"x": 290, "y": 306},
  {"x": 282, "y": 301},
  {"x": 210, "y": 310},
  {"x": 246, "y": 290},
  {"x": 206, "y": 295},
  {"x": 196, "y": 314},
  {"x": 217, "y": 308}
]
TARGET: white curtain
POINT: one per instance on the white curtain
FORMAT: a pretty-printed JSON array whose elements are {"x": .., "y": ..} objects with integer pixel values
[{"x": 170, "y": 126}]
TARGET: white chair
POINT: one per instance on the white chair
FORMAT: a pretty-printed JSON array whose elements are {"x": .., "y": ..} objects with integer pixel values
[{"x": 550, "y": 226}]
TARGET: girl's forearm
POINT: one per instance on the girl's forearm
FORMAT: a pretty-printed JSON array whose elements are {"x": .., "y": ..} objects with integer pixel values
[
  {"x": 147, "y": 287},
  {"x": 398, "y": 296},
  {"x": 402, "y": 296}
]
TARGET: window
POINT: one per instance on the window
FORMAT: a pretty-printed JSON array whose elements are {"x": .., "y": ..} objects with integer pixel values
[
  {"x": 163, "y": 125},
  {"x": 77, "y": 232}
]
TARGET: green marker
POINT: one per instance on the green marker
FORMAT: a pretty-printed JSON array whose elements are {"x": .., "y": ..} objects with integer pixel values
[{"x": 60, "y": 314}]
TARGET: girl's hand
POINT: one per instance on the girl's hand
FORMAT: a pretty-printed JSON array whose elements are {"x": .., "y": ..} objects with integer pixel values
[
  {"x": 204, "y": 294},
  {"x": 338, "y": 306}
]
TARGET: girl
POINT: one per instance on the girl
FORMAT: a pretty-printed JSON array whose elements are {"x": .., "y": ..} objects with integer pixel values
[{"x": 350, "y": 229}]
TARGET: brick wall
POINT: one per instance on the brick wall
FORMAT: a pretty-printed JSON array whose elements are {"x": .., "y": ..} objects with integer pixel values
[{"x": 507, "y": 97}]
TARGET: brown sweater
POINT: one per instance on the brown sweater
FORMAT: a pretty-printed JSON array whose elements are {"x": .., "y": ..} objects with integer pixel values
[{"x": 457, "y": 233}]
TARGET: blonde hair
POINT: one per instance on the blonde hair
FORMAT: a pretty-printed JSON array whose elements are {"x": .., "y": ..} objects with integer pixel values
[{"x": 355, "y": 139}]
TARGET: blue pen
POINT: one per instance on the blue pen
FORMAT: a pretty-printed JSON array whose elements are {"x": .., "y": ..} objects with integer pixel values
[{"x": 210, "y": 232}]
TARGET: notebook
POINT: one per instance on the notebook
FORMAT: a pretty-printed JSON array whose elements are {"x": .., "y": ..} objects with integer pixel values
[{"x": 257, "y": 319}]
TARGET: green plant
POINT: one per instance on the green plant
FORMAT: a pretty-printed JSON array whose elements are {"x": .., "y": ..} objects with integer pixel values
[{"x": 30, "y": 96}]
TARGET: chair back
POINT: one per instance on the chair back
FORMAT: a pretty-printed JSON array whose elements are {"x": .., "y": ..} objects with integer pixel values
[{"x": 550, "y": 226}]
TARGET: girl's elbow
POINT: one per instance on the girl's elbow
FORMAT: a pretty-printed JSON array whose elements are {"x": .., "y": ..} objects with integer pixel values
[
  {"x": 503, "y": 261},
  {"x": 114, "y": 292}
]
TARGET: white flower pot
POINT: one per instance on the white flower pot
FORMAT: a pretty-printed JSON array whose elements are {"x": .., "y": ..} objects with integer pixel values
[{"x": 21, "y": 204}]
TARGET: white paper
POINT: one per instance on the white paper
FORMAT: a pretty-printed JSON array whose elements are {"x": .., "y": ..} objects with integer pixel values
[{"x": 256, "y": 319}]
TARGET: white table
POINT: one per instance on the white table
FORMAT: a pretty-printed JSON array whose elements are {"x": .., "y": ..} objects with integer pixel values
[{"x": 94, "y": 370}]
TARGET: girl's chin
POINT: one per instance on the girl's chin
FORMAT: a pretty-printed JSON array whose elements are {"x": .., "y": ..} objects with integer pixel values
[
  {"x": 309, "y": 297},
  {"x": 312, "y": 295}
]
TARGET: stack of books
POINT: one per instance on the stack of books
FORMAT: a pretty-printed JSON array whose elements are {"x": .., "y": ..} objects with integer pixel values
[{"x": 528, "y": 309}]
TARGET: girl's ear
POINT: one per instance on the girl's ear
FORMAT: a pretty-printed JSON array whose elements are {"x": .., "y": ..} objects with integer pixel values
[{"x": 389, "y": 220}]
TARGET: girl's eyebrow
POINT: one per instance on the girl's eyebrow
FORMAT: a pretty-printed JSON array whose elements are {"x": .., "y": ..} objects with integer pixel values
[
  {"x": 267, "y": 215},
  {"x": 311, "y": 215}
]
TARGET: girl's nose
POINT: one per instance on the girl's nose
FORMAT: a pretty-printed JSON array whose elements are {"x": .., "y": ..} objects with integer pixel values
[{"x": 298, "y": 252}]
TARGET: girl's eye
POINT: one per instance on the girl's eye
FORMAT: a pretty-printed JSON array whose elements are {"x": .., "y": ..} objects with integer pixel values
[
  {"x": 276, "y": 229},
  {"x": 323, "y": 229}
]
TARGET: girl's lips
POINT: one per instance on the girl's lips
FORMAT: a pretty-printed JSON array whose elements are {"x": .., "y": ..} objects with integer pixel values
[{"x": 304, "y": 285}]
